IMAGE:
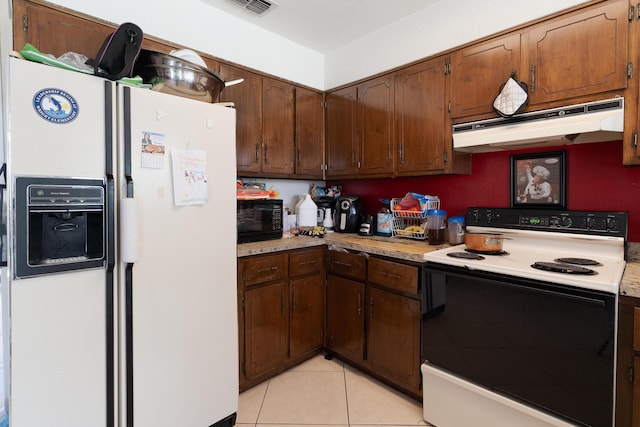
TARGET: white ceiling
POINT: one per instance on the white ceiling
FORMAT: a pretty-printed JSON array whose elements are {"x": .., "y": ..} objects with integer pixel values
[{"x": 324, "y": 25}]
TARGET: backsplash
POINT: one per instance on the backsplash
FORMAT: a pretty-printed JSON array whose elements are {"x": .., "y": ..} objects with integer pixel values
[{"x": 596, "y": 180}]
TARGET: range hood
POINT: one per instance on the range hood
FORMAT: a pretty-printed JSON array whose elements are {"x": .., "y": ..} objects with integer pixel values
[{"x": 590, "y": 122}]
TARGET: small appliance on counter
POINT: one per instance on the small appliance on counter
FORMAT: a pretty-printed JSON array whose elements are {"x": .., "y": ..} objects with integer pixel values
[
  {"x": 259, "y": 220},
  {"x": 368, "y": 226},
  {"x": 348, "y": 214}
]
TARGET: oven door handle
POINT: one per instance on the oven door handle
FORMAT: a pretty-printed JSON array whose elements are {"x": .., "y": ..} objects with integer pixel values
[{"x": 566, "y": 295}]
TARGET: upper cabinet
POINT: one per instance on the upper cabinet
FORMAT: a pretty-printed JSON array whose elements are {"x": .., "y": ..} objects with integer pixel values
[
  {"x": 340, "y": 136},
  {"x": 582, "y": 54},
  {"x": 478, "y": 72},
  {"x": 563, "y": 60},
  {"x": 359, "y": 136},
  {"x": 375, "y": 127},
  {"x": 245, "y": 97},
  {"x": 277, "y": 127},
  {"x": 309, "y": 153},
  {"x": 420, "y": 118}
]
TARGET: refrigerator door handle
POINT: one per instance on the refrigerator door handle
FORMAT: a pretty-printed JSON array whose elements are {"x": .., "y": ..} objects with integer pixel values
[{"x": 129, "y": 230}]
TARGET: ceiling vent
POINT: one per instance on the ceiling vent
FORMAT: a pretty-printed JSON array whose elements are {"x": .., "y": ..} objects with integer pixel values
[{"x": 259, "y": 7}]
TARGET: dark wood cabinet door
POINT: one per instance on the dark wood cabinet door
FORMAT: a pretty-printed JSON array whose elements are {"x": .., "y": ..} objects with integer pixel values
[
  {"x": 578, "y": 55},
  {"x": 478, "y": 72},
  {"x": 375, "y": 127},
  {"x": 420, "y": 118},
  {"x": 309, "y": 147},
  {"x": 56, "y": 32},
  {"x": 246, "y": 97},
  {"x": 393, "y": 339},
  {"x": 345, "y": 317},
  {"x": 277, "y": 128},
  {"x": 341, "y": 151},
  {"x": 306, "y": 315},
  {"x": 265, "y": 324}
]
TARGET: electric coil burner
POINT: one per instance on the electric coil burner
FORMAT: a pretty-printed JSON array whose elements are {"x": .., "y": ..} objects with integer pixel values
[
  {"x": 558, "y": 267},
  {"x": 526, "y": 338}
]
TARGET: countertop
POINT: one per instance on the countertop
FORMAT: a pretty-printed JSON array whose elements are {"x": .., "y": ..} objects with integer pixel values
[{"x": 406, "y": 250}]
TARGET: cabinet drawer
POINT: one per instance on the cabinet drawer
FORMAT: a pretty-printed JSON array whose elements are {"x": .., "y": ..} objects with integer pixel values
[
  {"x": 346, "y": 264},
  {"x": 265, "y": 268},
  {"x": 401, "y": 277},
  {"x": 636, "y": 328},
  {"x": 303, "y": 262}
]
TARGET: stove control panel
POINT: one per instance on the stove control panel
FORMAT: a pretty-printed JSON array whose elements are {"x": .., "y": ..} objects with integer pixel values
[{"x": 577, "y": 222}]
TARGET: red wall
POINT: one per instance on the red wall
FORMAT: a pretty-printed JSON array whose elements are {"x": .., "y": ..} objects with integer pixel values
[{"x": 596, "y": 180}]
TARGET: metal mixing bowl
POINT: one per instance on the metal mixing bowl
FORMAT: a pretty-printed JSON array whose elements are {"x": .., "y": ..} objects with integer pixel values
[{"x": 170, "y": 74}]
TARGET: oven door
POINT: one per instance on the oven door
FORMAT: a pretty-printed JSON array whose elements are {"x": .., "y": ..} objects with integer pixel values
[{"x": 548, "y": 346}]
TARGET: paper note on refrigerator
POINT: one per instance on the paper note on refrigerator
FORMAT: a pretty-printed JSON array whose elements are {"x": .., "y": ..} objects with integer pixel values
[{"x": 189, "y": 177}]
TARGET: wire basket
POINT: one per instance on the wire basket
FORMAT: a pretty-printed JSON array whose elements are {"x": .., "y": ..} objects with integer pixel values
[
  {"x": 432, "y": 202},
  {"x": 411, "y": 228}
]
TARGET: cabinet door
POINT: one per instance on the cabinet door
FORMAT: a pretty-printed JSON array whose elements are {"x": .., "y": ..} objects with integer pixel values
[
  {"x": 579, "y": 55},
  {"x": 375, "y": 127},
  {"x": 478, "y": 72},
  {"x": 277, "y": 128},
  {"x": 420, "y": 118},
  {"x": 56, "y": 32},
  {"x": 636, "y": 392},
  {"x": 393, "y": 337},
  {"x": 247, "y": 98},
  {"x": 309, "y": 149},
  {"x": 265, "y": 328},
  {"x": 340, "y": 133},
  {"x": 306, "y": 311},
  {"x": 345, "y": 317}
]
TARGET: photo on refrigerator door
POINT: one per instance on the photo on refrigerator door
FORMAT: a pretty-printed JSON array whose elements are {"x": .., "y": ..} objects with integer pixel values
[{"x": 152, "y": 148}]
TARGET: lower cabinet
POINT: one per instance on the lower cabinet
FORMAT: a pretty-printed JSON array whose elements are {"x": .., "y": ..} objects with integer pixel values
[
  {"x": 345, "y": 317},
  {"x": 373, "y": 317},
  {"x": 628, "y": 363},
  {"x": 393, "y": 338},
  {"x": 281, "y": 312},
  {"x": 265, "y": 320}
]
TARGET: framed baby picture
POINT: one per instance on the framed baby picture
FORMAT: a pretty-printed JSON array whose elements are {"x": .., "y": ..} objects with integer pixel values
[{"x": 539, "y": 180}]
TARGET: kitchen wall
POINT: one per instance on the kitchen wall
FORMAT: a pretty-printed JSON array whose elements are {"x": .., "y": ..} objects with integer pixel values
[
  {"x": 443, "y": 25},
  {"x": 290, "y": 190},
  {"x": 596, "y": 180}
]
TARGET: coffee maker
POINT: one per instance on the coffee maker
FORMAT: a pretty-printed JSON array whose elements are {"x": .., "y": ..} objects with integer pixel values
[{"x": 348, "y": 214}]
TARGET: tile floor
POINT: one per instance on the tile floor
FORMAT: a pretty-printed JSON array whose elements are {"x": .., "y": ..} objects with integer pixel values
[{"x": 326, "y": 393}]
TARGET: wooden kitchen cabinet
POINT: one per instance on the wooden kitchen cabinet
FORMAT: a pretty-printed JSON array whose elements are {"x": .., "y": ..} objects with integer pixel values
[
  {"x": 281, "y": 312},
  {"x": 265, "y": 329},
  {"x": 563, "y": 60},
  {"x": 340, "y": 135},
  {"x": 359, "y": 133},
  {"x": 628, "y": 363},
  {"x": 478, "y": 72},
  {"x": 278, "y": 123},
  {"x": 247, "y": 97},
  {"x": 420, "y": 119},
  {"x": 393, "y": 333},
  {"x": 309, "y": 135},
  {"x": 265, "y": 314},
  {"x": 346, "y": 273},
  {"x": 393, "y": 337},
  {"x": 582, "y": 54},
  {"x": 345, "y": 317},
  {"x": 306, "y": 296}
]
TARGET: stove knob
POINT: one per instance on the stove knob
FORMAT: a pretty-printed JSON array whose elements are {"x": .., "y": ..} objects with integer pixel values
[
  {"x": 612, "y": 224},
  {"x": 566, "y": 222}
]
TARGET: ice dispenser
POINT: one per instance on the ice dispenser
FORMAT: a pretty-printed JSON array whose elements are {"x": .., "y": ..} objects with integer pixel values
[{"x": 59, "y": 225}]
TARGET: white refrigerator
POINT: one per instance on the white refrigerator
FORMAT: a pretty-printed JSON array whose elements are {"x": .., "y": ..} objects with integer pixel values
[{"x": 131, "y": 321}]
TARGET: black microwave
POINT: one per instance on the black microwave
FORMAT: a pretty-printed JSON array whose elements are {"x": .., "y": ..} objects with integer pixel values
[{"x": 259, "y": 220}]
